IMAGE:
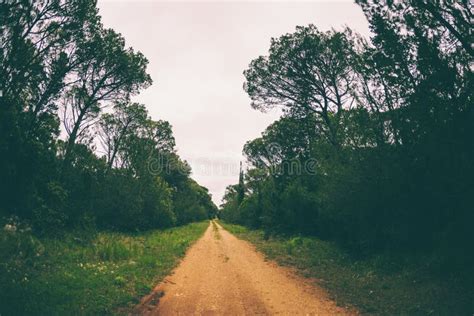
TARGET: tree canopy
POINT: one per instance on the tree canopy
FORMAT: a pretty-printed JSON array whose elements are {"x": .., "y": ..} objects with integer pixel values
[
  {"x": 75, "y": 150},
  {"x": 374, "y": 146}
]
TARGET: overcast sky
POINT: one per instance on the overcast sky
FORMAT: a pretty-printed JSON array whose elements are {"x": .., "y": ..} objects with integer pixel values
[{"x": 197, "y": 52}]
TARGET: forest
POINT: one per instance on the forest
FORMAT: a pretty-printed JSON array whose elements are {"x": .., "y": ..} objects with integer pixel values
[
  {"x": 76, "y": 152},
  {"x": 374, "y": 148},
  {"x": 364, "y": 184}
]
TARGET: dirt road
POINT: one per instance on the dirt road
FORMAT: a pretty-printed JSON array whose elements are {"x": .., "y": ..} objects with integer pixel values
[{"x": 222, "y": 275}]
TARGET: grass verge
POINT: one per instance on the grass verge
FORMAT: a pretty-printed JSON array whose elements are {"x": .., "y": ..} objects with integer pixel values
[
  {"x": 380, "y": 285},
  {"x": 106, "y": 273}
]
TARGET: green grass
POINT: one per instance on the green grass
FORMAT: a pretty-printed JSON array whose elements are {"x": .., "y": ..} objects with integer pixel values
[
  {"x": 106, "y": 273},
  {"x": 380, "y": 285}
]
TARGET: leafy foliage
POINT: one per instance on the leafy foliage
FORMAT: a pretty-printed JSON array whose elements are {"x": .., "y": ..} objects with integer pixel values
[
  {"x": 60, "y": 66},
  {"x": 374, "y": 148},
  {"x": 382, "y": 284}
]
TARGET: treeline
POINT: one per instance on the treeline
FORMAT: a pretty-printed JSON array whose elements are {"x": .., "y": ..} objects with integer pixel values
[
  {"x": 74, "y": 150},
  {"x": 375, "y": 145}
]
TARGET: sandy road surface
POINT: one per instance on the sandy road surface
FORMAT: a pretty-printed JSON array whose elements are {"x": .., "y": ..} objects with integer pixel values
[{"x": 222, "y": 275}]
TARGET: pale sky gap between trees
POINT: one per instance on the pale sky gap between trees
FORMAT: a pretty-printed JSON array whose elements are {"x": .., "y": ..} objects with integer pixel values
[{"x": 197, "y": 52}]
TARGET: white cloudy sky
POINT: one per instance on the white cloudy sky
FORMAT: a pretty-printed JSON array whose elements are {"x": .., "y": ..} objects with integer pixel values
[{"x": 197, "y": 52}]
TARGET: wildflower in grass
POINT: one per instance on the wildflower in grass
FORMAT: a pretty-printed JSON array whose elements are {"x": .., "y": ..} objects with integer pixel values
[{"x": 9, "y": 228}]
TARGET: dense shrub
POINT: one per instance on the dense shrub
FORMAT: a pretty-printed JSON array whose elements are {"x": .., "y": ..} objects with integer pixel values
[
  {"x": 385, "y": 127},
  {"x": 114, "y": 168}
]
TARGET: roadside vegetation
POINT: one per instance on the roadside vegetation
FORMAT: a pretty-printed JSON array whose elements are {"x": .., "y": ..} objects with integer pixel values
[
  {"x": 100, "y": 273},
  {"x": 75, "y": 151},
  {"x": 374, "y": 149},
  {"x": 87, "y": 175},
  {"x": 382, "y": 284},
  {"x": 373, "y": 154}
]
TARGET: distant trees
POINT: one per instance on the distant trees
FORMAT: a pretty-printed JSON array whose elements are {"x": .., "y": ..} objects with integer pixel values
[
  {"x": 381, "y": 131},
  {"x": 59, "y": 66}
]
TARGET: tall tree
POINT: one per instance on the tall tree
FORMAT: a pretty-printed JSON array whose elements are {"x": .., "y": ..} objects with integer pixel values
[
  {"x": 110, "y": 72},
  {"x": 38, "y": 42},
  {"x": 306, "y": 72},
  {"x": 115, "y": 128}
]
